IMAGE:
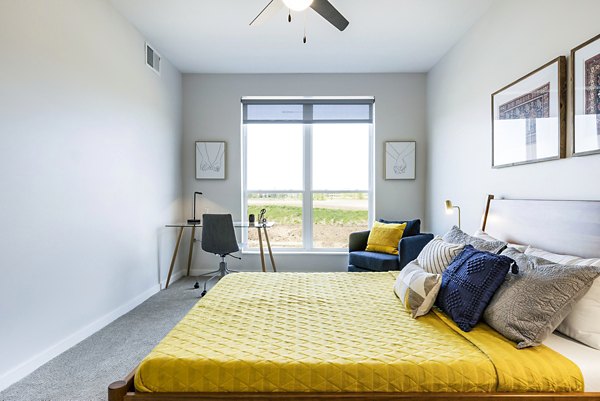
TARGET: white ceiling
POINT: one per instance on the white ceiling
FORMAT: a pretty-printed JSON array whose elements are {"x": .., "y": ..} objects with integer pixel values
[{"x": 383, "y": 36}]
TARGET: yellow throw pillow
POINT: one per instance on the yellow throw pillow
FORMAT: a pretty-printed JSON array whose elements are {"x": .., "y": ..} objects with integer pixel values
[{"x": 384, "y": 238}]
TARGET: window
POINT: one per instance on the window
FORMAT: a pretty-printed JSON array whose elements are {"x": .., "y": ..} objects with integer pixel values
[{"x": 309, "y": 163}]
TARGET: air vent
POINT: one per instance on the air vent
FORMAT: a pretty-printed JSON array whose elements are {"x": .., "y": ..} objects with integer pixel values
[{"x": 152, "y": 59}]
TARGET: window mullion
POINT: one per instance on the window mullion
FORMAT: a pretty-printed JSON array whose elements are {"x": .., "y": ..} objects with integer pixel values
[{"x": 307, "y": 212}]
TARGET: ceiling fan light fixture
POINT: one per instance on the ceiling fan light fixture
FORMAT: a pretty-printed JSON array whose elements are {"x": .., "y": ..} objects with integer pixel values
[{"x": 297, "y": 5}]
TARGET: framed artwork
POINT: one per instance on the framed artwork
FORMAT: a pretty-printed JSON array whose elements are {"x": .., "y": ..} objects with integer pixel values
[
  {"x": 400, "y": 160},
  {"x": 529, "y": 117},
  {"x": 210, "y": 160},
  {"x": 585, "y": 81}
]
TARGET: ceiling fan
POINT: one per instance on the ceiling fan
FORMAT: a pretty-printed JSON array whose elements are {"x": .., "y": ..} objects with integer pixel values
[{"x": 322, "y": 7}]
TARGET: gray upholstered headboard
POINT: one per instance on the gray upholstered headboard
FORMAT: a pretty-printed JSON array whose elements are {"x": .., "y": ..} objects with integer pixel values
[{"x": 560, "y": 226}]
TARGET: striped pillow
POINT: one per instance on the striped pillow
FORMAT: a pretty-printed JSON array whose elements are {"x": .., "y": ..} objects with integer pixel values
[
  {"x": 437, "y": 255},
  {"x": 417, "y": 289}
]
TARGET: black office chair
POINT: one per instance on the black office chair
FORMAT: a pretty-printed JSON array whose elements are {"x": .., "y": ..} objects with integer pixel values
[{"x": 218, "y": 237}]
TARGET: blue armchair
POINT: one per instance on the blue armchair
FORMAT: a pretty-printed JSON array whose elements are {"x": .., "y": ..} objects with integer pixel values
[{"x": 409, "y": 247}]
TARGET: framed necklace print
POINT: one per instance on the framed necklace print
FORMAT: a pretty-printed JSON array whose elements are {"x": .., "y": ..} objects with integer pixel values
[
  {"x": 210, "y": 160},
  {"x": 585, "y": 81}
]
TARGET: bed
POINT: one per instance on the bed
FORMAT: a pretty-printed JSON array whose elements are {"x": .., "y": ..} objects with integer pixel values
[{"x": 318, "y": 336}]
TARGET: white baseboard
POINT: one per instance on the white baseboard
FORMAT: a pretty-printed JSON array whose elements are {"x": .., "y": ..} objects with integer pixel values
[
  {"x": 25, "y": 368},
  {"x": 174, "y": 277}
]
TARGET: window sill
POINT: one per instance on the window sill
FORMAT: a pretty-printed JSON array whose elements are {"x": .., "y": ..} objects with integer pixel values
[{"x": 296, "y": 252}]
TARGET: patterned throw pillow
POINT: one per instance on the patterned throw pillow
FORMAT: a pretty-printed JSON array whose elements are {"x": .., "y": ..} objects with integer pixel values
[
  {"x": 457, "y": 236},
  {"x": 437, "y": 255},
  {"x": 582, "y": 323},
  {"x": 417, "y": 289},
  {"x": 384, "y": 238},
  {"x": 485, "y": 236},
  {"x": 469, "y": 283},
  {"x": 530, "y": 305}
]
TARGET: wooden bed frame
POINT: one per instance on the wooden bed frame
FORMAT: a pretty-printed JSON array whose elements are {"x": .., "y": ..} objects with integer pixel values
[{"x": 568, "y": 227}]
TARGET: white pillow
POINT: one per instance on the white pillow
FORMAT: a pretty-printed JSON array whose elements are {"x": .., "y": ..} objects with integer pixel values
[
  {"x": 562, "y": 259},
  {"x": 485, "y": 236},
  {"x": 437, "y": 255},
  {"x": 583, "y": 323},
  {"x": 417, "y": 289}
]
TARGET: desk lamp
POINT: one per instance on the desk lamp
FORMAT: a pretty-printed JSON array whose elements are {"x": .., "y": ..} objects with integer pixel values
[
  {"x": 193, "y": 220},
  {"x": 449, "y": 207}
]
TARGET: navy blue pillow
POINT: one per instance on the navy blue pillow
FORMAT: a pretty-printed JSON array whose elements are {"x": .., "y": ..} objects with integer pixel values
[
  {"x": 469, "y": 283},
  {"x": 413, "y": 227}
]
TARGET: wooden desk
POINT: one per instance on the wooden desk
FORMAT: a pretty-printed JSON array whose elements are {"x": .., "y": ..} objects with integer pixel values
[{"x": 236, "y": 224}]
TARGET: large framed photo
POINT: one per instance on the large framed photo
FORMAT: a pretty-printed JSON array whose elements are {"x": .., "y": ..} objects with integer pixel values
[
  {"x": 210, "y": 160},
  {"x": 529, "y": 117},
  {"x": 585, "y": 78},
  {"x": 400, "y": 160}
]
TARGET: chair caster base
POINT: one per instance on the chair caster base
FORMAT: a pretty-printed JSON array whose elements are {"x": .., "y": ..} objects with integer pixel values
[
  {"x": 197, "y": 285},
  {"x": 203, "y": 294}
]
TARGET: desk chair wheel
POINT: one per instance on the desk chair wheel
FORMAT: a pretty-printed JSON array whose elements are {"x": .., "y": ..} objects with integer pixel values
[
  {"x": 203, "y": 294},
  {"x": 197, "y": 285}
]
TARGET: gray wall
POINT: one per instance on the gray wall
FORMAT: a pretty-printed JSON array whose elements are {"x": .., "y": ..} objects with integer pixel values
[
  {"x": 89, "y": 168},
  {"x": 512, "y": 39},
  {"x": 211, "y": 111}
]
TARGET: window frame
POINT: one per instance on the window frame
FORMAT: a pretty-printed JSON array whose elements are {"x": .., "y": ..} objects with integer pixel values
[{"x": 307, "y": 191}]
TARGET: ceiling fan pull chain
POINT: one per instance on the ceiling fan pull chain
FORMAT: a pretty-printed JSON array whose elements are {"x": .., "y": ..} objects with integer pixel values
[
  {"x": 305, "y": 17},
  {"x": 289, "y": 15}
]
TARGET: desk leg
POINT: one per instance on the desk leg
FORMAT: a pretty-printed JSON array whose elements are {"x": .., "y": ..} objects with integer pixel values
[
  {"x": 174, "y": 257},
  {"x": 262, "y": 251},
  {"x": 269, "y": 248},
  {"x": 191, "y": 249}
]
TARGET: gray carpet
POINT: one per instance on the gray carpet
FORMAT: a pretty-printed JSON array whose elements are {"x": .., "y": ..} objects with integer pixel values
[{"x": 84, "y": 372}]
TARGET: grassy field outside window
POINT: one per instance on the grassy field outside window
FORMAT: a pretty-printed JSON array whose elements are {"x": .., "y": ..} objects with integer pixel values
[{"x": 335, "y": 216}]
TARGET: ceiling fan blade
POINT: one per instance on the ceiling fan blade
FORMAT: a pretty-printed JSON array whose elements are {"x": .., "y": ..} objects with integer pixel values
[
  {"x": 267, "y": 12},
  {"x": 329, "y": 12}
]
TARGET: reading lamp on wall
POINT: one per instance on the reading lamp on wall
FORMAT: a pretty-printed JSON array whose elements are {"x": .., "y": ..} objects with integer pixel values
[
  {"x": 193, "y": 220},
  {"x": 450, "y": 209}
]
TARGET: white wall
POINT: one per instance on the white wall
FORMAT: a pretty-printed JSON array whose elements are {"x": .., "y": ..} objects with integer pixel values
[
  {"x": 211, "y": 111},
  {"x": 512, "y": 39},
  {"x": 89, "y": 172}
]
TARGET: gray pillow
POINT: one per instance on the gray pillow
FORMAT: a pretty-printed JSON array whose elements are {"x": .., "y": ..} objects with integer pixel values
[
  {"x": 528, "y": 306},
  {"x": 457, "y": 236}
]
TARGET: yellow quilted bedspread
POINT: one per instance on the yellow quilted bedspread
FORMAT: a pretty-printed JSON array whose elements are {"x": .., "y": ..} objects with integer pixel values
[{"x": 337, "y": 332}]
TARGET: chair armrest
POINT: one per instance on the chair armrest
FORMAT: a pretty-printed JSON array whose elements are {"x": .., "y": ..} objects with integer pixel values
[
  {"x": 410, "y": 247},
  {"x": 358, "y": 241}
]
